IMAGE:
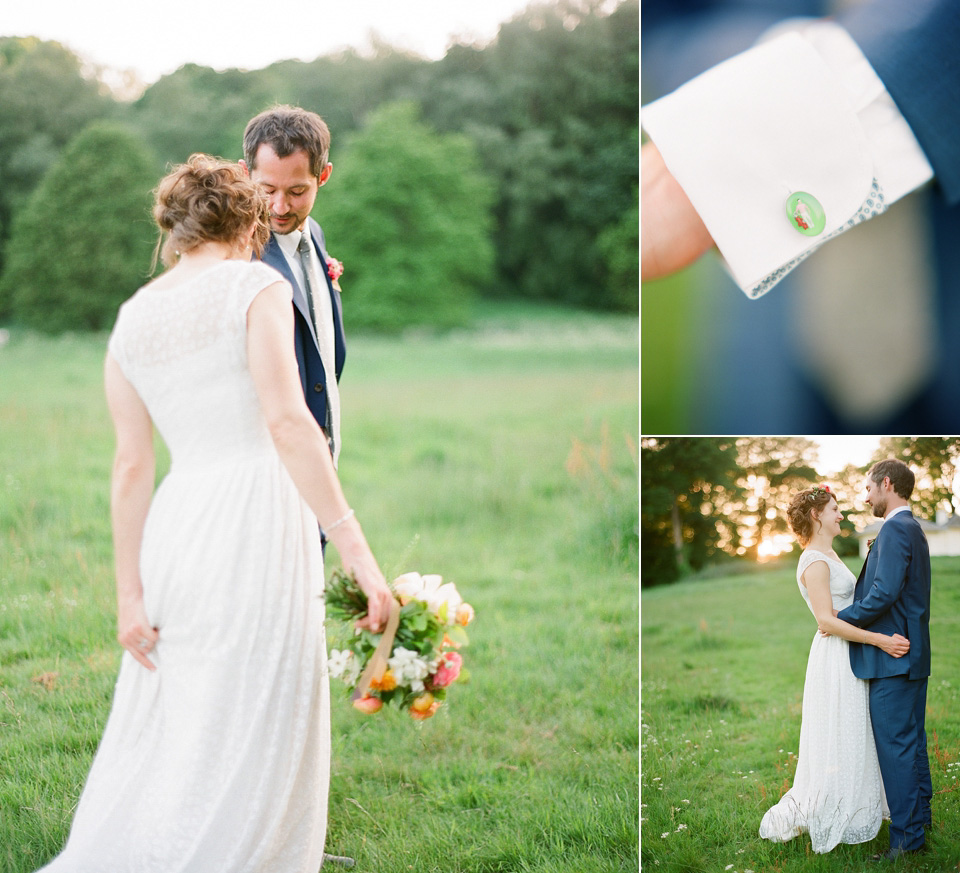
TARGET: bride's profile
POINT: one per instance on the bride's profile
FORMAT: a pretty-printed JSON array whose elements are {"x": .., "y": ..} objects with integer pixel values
[
  {"x": 837, "y": 794},
  {"x": 215, "y": 755}
]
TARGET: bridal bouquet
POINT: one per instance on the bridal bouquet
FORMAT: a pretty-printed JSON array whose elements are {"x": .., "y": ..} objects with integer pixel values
[{"x": 415, "y": 660}]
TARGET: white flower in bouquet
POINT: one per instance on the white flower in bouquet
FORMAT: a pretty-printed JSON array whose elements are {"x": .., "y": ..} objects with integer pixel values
[
  {"x": 408, "y": 668},
  {"x": 343, "y": 664},
  {"x": 431, "y": 590}
]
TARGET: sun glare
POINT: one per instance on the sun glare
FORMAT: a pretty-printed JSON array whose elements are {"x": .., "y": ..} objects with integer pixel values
[{"x": 773, "y": 547}]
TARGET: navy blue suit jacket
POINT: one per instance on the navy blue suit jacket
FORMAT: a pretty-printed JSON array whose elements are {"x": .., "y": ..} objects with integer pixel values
[
  {"x": 313, "y": 377},
  {"x": 913, "y": 46},
  {"x": 893, "y": 597}
]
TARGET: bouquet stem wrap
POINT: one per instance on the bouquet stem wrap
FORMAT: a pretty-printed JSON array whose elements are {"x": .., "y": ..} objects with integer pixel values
[{"x": 377, "y": 665}]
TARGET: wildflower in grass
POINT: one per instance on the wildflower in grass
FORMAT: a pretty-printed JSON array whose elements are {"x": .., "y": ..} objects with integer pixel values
[{"x": 663, "y": 836}]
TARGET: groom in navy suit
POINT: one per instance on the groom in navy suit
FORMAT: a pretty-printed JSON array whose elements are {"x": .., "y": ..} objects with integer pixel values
[
  {"x": 286, "y": 151},
  {"x": 893, "y": 596}
]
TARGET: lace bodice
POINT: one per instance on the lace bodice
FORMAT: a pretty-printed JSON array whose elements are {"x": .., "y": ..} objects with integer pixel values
[
  {"x": 842, "y": 581},
  {"x": 183, "y": 347}
]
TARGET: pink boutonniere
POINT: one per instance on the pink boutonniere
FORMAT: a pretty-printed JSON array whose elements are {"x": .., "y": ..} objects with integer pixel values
[
  {"x": 334, "y": 269},
  {"x": 870, "y": 543}
]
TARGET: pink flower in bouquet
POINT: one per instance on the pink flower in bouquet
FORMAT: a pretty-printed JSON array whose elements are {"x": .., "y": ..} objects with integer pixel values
[
  {"x": 448, "y": 670},
  {"x": 334, "y": 268},
  {"x": 368, "y": 705}
]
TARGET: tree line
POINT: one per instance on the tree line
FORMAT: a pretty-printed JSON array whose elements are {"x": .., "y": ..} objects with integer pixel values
[
  {"x": 707, "y": 500},
  {"x": 508, "y": 170}
]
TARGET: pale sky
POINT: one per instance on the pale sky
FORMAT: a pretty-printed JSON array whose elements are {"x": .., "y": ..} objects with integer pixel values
[
  {"x": 838, "y": 451},
  {"x": 154, "y": 39}
]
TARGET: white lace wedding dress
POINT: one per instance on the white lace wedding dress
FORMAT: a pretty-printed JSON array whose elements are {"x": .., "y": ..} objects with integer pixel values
[
  {"x": 837, "y": 794},
  {"x": 218, "y": 762}
]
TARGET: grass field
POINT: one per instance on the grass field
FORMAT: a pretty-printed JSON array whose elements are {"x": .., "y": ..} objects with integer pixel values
[
  {"x": 723, "y": 664},
  {"x": 503, "y": 458}
]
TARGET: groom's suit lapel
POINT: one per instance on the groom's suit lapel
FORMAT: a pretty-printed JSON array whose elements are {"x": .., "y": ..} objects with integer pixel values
[
  {"x": 273, "y": 255},
  {"x": 340, "y": 346}
]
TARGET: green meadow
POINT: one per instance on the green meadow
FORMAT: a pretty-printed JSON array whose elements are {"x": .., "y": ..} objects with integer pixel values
[
  {"x": 503, "y": 458},
  {"x": 723, "y": 665}
]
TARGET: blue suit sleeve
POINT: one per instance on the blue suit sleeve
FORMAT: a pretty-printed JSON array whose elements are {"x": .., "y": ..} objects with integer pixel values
[
  {"x": 893, "y": 557},
  {"x": 913, "y": 48}
]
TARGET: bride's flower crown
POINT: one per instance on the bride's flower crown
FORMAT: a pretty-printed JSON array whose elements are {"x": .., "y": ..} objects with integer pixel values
[{"x": 818, "y": 491}]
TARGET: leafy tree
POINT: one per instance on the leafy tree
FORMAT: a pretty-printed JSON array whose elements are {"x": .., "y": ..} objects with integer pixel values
[
  {"x": 935, "y": 461},
  {"x": 46, "y": 98},
  {"x": 71, "y": 273},
  {"x": 619, "y": 245},
  {"x": 552, "y": 105},
  {"x": 196, "y": 109},
  {"x": 772, "y": 469},
  {"x": 408, "y": 212},
  {"x": 684, "y": 484}
]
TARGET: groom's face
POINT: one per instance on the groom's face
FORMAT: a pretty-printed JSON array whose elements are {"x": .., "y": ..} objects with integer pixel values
[
  {"x": 875, "y": 498},
  {"x": 289, "y": 185}
]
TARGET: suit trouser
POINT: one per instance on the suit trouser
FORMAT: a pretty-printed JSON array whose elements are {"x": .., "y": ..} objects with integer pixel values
[{"x": 897, "y": 710}]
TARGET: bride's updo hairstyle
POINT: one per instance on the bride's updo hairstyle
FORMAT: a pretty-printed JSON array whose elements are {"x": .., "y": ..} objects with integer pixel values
[
  {"x": 802, "y": 523},
  {"x": 208, "y": 200}
]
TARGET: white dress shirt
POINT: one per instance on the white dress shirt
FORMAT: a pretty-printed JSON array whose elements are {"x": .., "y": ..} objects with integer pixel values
[
  {"x": 802, "y": 110},
  {"x": 323, "y": 311}
]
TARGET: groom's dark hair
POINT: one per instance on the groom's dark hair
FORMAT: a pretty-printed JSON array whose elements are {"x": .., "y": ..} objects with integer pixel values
[
  {"x": 900, "y": 475},
  {"x": 287, "y": 129}
]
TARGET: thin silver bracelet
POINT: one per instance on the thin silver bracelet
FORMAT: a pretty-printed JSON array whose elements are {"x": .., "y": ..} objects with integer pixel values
[{"x": 339, "y": 521}]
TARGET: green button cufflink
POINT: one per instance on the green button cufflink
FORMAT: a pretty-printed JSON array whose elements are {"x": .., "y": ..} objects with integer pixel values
[{"x": 805, "y": 213}]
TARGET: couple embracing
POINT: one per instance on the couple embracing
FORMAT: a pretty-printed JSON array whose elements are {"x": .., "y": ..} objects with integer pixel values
[{"x": 863, "y": 746}]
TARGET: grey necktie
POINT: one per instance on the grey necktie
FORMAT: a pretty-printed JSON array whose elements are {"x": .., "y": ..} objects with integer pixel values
[{"x": 303, "y": 250}]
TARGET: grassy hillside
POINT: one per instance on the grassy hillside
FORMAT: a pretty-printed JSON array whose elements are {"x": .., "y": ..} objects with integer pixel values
[
  {"x": 503, "y": 458},
  {"x": 723, "y": 664}
]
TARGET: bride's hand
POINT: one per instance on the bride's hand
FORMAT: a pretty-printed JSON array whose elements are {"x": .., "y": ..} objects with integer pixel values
[
  {"x": 358, "y": 559},
  {"x": 896, "y": 645},
  {"x": 378, "y": 602},
  {"x": 135, "y": 633}
]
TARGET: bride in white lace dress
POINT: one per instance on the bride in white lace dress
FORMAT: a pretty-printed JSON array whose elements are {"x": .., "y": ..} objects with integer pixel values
[
  {"x": 215, "y": 756},
  {"x": 837, "y": 794}
]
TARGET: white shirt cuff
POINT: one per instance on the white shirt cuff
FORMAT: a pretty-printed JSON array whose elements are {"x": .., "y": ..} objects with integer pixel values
[{"x": 802, "y": 111}]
